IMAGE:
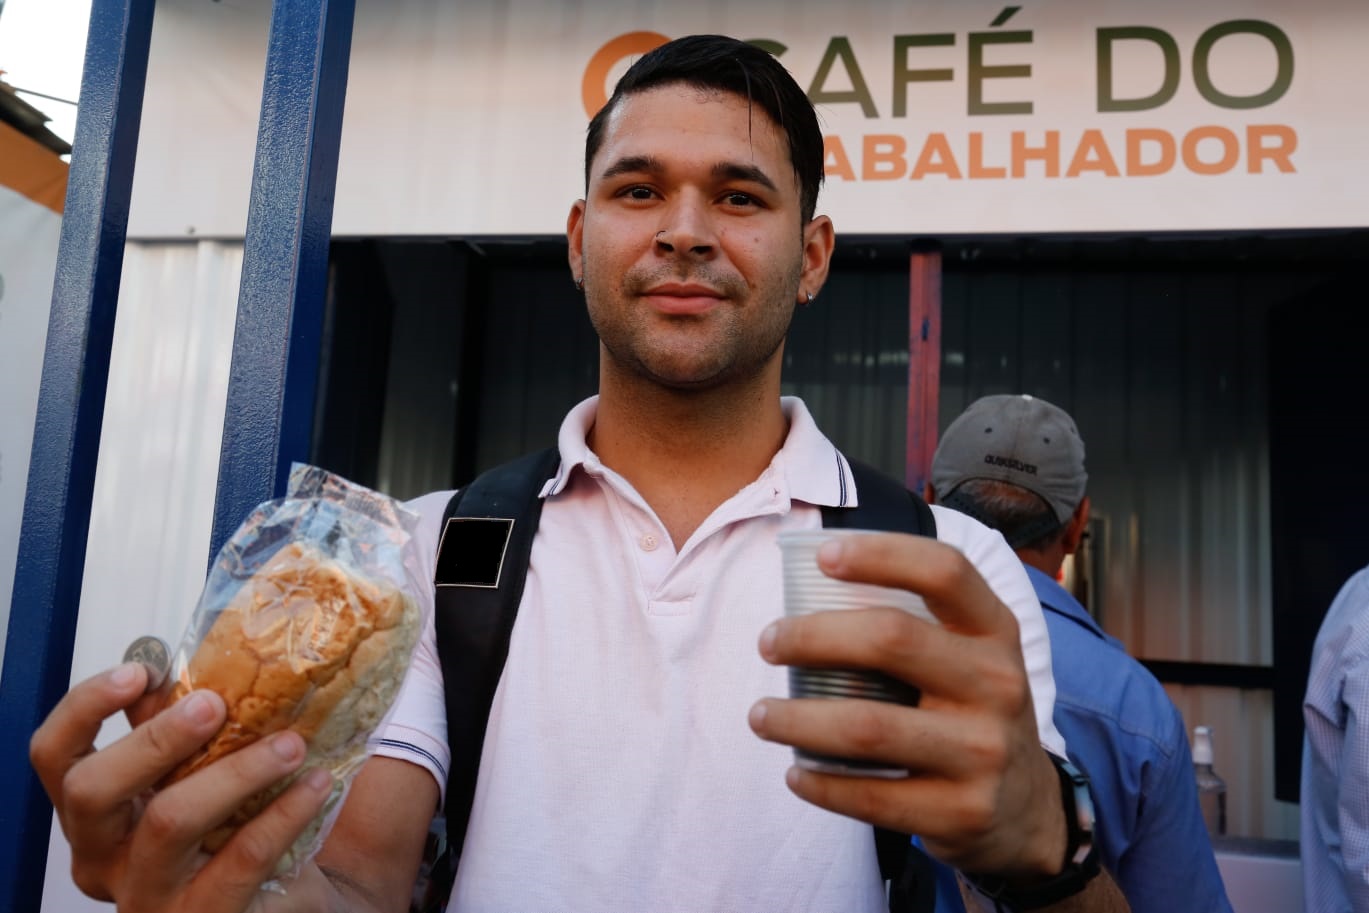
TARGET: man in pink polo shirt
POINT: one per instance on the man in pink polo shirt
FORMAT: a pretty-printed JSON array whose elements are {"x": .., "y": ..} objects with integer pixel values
[{"x": 636, "y": 757}]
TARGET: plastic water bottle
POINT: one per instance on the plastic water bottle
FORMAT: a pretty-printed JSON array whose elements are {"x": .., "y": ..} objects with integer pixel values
[{"x": 1211, "y": 788}]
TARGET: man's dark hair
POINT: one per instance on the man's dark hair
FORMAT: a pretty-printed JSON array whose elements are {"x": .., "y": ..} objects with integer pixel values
[
  {"x": 1023, "y": 517},
  {"x": 728, "y": 65}
]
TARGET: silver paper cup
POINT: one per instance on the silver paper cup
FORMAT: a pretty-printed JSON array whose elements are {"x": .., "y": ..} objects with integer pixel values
[{"x": 806, "y": 590}]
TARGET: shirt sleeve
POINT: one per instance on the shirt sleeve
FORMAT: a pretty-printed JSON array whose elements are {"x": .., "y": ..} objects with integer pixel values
[
  {"x": 1001, "y": 569},
  {"x": 415, "y": 730},
  {"x": 1352, "y": 797},
  {"x": 1170, "y": 864},
  {"x": 1335, "y": 763}
]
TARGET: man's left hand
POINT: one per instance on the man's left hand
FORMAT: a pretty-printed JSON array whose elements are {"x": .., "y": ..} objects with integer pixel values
[{"x": 981, "y": 792}]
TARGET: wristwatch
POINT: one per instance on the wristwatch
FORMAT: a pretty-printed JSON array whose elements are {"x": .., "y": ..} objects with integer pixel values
[{"x": 1081, "y": 856}]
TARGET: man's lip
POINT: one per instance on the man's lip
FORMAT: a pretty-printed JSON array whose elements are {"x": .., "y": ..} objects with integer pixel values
[
  {"x": 682, "y": 290},
  {"x": 682, "y": 298}
]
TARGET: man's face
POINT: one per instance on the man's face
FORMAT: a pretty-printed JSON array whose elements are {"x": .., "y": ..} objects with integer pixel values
[{"x": 690, "y": 240}]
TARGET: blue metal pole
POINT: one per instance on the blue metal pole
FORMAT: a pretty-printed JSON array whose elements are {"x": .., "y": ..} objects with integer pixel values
[
  {"x": 271, "y": 387},
  {"x": 66, "y": 436}
]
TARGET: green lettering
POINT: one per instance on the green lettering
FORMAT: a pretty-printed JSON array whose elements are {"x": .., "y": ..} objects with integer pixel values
[
  {"x": 839, "y": 48},
  {"x": 1107, "y": 101},
  {"x": 1283, "y": 76},
  {"x": 978, "y": 71},
  {"x": 903, "y": 75}
]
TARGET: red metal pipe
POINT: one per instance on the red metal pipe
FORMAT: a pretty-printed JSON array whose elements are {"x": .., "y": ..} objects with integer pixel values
[{"x": 924, "y": 363}]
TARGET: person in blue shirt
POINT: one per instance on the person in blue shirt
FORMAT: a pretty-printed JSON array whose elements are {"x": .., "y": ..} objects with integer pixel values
[
  {"x": 1016, "y": 463},
  {"x": 1335, "y": 759}
]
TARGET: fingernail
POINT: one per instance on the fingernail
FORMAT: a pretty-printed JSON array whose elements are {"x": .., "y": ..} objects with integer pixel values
[
  {"x": 767, "y": 645},
  {"x": 791, "y": 777},
  {"x": 123, "y": 675},
  {"x": 757, "y": 715},
  {"x": 287, "y": 746},
  {"x": 319, "y": 780},
  {"x": 830, "y": 551},
  {"x": 198, "y": 708}
]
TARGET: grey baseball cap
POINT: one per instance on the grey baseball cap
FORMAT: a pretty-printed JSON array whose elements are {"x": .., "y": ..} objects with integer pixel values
[{"x": 1017, "y": 439}]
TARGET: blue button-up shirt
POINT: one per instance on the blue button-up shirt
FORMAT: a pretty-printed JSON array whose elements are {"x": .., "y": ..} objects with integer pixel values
[
  {"x": 1335, "y": 760},
  {"x": 1123, "y": 730}
]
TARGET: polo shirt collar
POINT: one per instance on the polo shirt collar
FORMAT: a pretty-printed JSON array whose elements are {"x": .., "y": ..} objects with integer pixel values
[
  {"x": 810, "y": 464},
  {"x": 1055, "y": 597},
  {"x": 808, "y": 467},
  {"x": 571, "y": 442}
]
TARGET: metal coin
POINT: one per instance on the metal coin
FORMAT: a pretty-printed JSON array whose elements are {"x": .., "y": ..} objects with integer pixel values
[{"x": 154, "y": 656}]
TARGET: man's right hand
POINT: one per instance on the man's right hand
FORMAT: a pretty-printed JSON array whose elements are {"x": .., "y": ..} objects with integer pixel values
[{"x": 141, "y": 849}]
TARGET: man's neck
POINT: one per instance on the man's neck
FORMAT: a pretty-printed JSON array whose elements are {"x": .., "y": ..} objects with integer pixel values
[
  {"x": 1047, "y": 561},
  {"x": 688, "y": 452}
]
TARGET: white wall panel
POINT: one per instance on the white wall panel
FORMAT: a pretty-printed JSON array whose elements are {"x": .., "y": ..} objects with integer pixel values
[
  {"x": 157, "y": 472},
  {"x": 28, "y": 254}
]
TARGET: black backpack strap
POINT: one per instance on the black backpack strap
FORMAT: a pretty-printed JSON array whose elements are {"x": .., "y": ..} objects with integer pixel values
[
  {"x": 888, "y": 505},
  {"x": 885, "y": 504},
  {"x": 482, "y": 562}
]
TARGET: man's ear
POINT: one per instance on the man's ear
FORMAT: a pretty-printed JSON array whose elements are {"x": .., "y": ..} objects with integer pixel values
[
  {"x": 1074, "y": 529},
  {"x": 818, "y": 240},
  {"x": 575, "y": 239}
]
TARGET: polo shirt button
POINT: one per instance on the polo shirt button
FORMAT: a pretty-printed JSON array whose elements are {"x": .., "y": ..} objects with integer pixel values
[{"x": 649, "y": 543}]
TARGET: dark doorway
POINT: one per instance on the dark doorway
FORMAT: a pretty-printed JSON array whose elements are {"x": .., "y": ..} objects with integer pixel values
[{"x": 1318, "y": 443}]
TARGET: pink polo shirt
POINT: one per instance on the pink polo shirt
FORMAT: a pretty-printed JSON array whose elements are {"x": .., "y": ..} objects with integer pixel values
[{"x": 618, "y": 771}]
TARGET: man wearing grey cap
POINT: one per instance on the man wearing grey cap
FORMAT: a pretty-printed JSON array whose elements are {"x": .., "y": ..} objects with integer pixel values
[{"x": 1016, "y": 463}]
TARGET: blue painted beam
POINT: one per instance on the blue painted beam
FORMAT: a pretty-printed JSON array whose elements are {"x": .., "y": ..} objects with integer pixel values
[
  {"x": 66, "y": 437},
  {"x": 269, "y": 418}
]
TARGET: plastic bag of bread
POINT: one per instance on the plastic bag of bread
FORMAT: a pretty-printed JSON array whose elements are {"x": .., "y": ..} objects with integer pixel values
[{"x": 306, "y": 622}]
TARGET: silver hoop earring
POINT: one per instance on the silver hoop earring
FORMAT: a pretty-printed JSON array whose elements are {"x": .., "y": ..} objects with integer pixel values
[
  {"x": 580, "y": 283},
  {"x": 811, "y": 296}
]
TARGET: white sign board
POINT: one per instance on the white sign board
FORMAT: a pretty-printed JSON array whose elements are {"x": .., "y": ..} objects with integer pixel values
[
  {"x": 28, "y": 258},
  {"x": 940, "y": 118}
]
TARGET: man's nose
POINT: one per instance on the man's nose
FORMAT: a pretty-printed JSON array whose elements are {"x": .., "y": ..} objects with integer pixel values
[{"x": 688, "y": 230}]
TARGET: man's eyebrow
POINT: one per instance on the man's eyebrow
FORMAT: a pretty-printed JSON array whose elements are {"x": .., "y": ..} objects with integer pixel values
[
  {"x": 650, "y": 164},
  {"x": 733, "y": 171},
  {"x": 633, "y": 164}
]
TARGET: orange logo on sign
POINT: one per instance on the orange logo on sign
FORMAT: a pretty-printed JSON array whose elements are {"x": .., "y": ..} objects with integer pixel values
[{"x": 593, "y": 91}]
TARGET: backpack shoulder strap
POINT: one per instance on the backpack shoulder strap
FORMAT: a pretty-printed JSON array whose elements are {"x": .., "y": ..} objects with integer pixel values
[
  {"x": 482, "y": 562},
  {"x": 888, "y": 505},
  {"x": 885, "y": 504}
]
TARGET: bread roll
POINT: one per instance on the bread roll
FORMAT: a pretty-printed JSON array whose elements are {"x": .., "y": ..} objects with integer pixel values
[{"x": 305, "y": 644}]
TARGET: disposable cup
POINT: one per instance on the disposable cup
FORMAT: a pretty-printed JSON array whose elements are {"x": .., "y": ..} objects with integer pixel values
[{"x": 806, "y": 590}]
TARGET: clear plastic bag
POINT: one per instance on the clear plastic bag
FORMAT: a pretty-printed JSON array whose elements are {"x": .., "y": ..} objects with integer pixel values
[{"x": 307, "y": 621}]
